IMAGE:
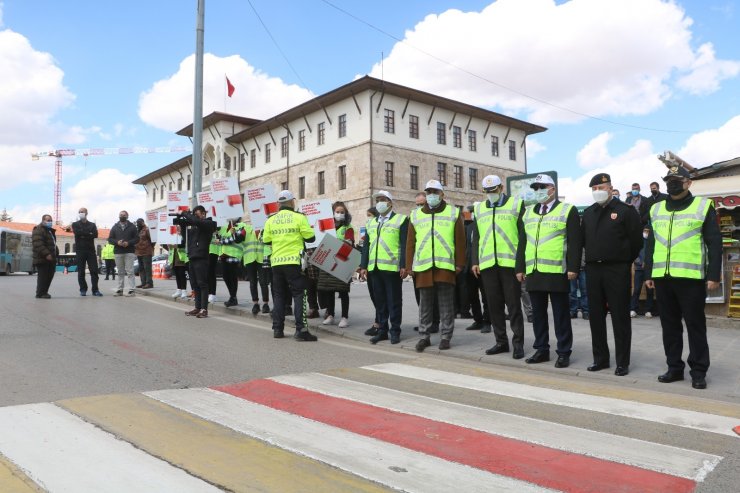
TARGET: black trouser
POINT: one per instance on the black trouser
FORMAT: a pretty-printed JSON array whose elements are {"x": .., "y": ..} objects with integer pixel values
[
  {"x": 258, "y": 277},
  {"x": 475, "y": 290},
  {"x": 388, "y": 299},
  {"x": 199, "y": 280},
  {"x": 145, "y": 269},
  {"x": 312, "y": 294},
  {"x": 212, "y": 263},
  {"x": 609, "y": 285},
  {"x": 561, "y": 320},
  {"x": 286, "y": 277},
  {"x": 91, "y": 260},
  {"x": 110, "y": 267},
  {"x": 683, "y": 298},
  {"x": 180, "y": 279},
  {"x": 435, "y": 311},
  {"x": 372, "y": 298},
  {"x": 231, "y": 277},
  {"x": 329, "y": 299},
  {"x": 45, "y": 275},
  {"x": 462, "y": 297},
  {"x": 501, "y": 287}
]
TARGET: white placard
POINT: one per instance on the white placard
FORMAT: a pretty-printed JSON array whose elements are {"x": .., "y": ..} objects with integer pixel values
[
  {"x": 152, "y": 222},
  {"x": 207, "y": 200},
  {"x": 320, "y": 217},
  {"x": 166, "y": 231},
  {"x": 261, "y": 204},
  {"x": 177, "y": 202},
  {"x": 228, "y": 199},
  {"x": 336, "y": 257}
]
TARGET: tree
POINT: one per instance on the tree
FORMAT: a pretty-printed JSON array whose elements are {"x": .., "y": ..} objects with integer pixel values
[{"x": 5, "y": 217}]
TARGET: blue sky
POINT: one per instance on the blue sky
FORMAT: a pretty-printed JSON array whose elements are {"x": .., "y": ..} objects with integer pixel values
[{"x": 84, "y": 73}]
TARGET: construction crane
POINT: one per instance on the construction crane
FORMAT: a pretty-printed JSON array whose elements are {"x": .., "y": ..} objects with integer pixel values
[{"x": 99, "y": 151}]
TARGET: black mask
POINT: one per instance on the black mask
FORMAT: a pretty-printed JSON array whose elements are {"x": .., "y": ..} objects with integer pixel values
[
  {"x": 674, "y": 187},
  {"x": 123, "y": 218},
  {"x": 654, "y": 192}
]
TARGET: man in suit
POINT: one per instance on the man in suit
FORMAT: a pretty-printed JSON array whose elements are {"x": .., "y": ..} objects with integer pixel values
[
  {"x": 548, "y": 259},
  {"x": 638, "y": 201},
  {"x": 481, "y": 317}
]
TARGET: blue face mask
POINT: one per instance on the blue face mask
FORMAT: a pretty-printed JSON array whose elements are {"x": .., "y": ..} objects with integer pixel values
[
  {"x": 635, "y": 193},
  {"x": 433, "y": 200},
  {"x": 48, "y": 224}
]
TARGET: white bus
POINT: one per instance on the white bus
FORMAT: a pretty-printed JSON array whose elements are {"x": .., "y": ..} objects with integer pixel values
[{"x": 16, "y": 252}]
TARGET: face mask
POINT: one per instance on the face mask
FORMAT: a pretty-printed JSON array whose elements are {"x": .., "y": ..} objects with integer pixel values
[
  {"x": 493, "y": 197},
  {"x": 675, "y": 187},
  {"x": 635, "y": 193},
  {"x": 123, "y": 218},
  {"x": 338, "y": 217},
  {"x": 382, "y": 207},
  {"x": 541, "y": 195},
  {"x": 82, "y": 215},
  {"x": 645, "y": 235},
  {"x": 433, "y": 200},
  {"x": 600, "y": 196},
  {"x": 48, "y": 224}
]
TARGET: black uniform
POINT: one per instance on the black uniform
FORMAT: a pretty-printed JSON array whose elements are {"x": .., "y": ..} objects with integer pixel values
[
  {"x": 612, "y": 238},
  {"x": 199, "y": 232},
  {"x": 85, "y": 252}
]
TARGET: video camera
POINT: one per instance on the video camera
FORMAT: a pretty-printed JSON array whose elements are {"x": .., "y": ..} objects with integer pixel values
[{"x": 178, "y": 217}]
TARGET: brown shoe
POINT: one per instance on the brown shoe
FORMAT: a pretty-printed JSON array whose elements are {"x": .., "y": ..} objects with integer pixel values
[
  {"x": 192, "y": 312},
  {"x": 444, "y": 344},
  {"x": 202, "y": 314}
]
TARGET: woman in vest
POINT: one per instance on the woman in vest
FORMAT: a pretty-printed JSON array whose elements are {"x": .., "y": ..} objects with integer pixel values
[
  {"x": 328, "y": 285},
  {"x": 178, "y": 259}
]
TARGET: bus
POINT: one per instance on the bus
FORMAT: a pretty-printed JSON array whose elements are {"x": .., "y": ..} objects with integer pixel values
[{"x": 16, "y": 252}]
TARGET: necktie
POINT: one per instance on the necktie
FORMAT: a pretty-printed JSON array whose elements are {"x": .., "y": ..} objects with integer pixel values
[{"x": 544, "y": 210}]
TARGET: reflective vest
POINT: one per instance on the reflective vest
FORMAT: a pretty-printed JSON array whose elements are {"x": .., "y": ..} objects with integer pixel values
[
  {"x": 435, "y": 239},
  {"x": 235, "y": 250},
  {"x": 679, "y": 247},
  {"x": 384, "y": 242},
  {"x": 107, "y": 252},
  {"x": 342, "y": 230},
  {"x": 181, "y": 254},
  {"x": 252, "y": 249},
  {"x": 497, "y": 232},
  {"x": 286, "y": 231},
  {"x": 546, "y": 246},
  {"x": 215, "y": 247}
]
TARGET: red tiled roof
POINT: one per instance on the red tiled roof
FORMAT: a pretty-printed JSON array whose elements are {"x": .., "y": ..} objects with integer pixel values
[{"x": 28, "y": 227}]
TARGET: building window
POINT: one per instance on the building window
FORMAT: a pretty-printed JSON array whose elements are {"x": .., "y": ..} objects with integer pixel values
[
  {"x": 472, "y": 140},
  {"x": 161, "y": 192},
  {"x": 302, "y": 187},
  {"x": 494, "y": 145},
  {"x": 512, "y": 150},
  {"x": 321, "y": 183},
  {"x": 413, "y": 127},
  {"x": 154, "y": 195},
  {"x": 458, "y": 176},
  {"x": 342, "y": 126},
  {"x": 179, "y": 184},
  {"x": 388, "y": 174},
  {"x": 268, "y": 153},
  {"x": 414, "y": 177},
  {"x": 390, "y": 122},
  {"x": 284, "y": 147},
  {"x": 457, "y": 137},
  {"x": 442, "y": 173},
  {"x": 441, "y": 133},
  {"x": 169, "y": 187},
  {"x": 188, "y": 182},
  {"x": 253, "y": 158},
  {"x": 207, "y": 169},
  {"x": 342, "y": 177},
  {"x": 284, "y": 185},
  {"x": 301, "y": 140},
  {"x": 242, "y": 162},
  {"x": 227, "y": 161},
  {"x": 321, "y": 134},
  {"x": 473, "y": 178}
]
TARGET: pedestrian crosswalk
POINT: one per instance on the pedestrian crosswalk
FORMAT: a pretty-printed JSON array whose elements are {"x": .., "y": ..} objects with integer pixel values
[{"x": 420, "y": 426}]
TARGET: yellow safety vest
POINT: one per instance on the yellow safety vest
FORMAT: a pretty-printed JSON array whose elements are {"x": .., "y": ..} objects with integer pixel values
[
  {"x": 234, "y": 250},
  {"x": 384, "y": 242},
  {"x": 546, "y": 246},
  {"x": 181, "y": 254},
  {"x": 498, "y": 233},
  {"x": 107, "y": 252},
  {"x": 252, "y": 249},
  {"x": 679, "y": 247},
  {"x": 286, "y": 231},
  {"x": 435, "y": 239}
]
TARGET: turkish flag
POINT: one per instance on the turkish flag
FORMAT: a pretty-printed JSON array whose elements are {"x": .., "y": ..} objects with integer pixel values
[{"x": 229, "y": 87}]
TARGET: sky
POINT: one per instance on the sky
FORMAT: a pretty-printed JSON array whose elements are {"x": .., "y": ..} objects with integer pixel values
[{"x": 616, "y": 82}]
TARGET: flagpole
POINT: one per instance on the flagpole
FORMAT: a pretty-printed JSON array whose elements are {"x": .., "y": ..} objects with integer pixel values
[
  {"x": 226, "y": 89},
  {"x": 198, "y": 105}
]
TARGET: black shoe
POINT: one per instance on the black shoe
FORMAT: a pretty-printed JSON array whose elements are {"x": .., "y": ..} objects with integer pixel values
[
  {"x": 231, "y": 302},
  {"x": 422, "y": 345},
  {"x": 255, "y": 308},
  {"x": 118, "y": 293},
  {"x": 278, "y": 334},
  {"x": 305, "y": 336},
  {"x": 486, "y": 329},
  {"x": 203, "y": 313},
  {"x": 140, "y": 286},
  {"x": 416, "y": 328},
  {"x": 622, "y": 371},
  {"x": 563, "y": 361},
  {"x": 380, "y": 336},
  {"x": 529, "y": 319},
  {"x": 475, "y": 326},
  {"x": 670, "y": 376},
  {"x": 44, "y": 296},
  {"x": 699, "y": 382},
  {"x": 598, "y": 366},
  {"x": 265, "y": 308},
  {"x": 466, "y": 315},
  {"x": 97, "y": 293},
  {"x": 395, "y": 338},
  {"x": 444, "y": 344},
  {"x": 497, "y": 349},
  {"x": 585, "y": 316},
  {"x": 573, "y": 315},
  {"x": 147, "y": 286},
  {"x": 83, "y": 292},
  {"x": 106, "y": 279},
  {"x": 518, "y": 352},
  {"x": 372, "y": 331},
  {"x": 434, "y": 330},
  {"x": 539, "y": 357}
]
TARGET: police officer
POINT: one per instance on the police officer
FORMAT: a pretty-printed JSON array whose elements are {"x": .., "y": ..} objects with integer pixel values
[
  {"x": 548, "y": 259},
  {"x": 612, "y": 238},
  {"x": 435, "y": 254},
  {"x": 384, "y": 261},
  {"x": 683, "y": 261},
  {"x": 232, "y": 236},
  {"x": 286, "y": 232},
  {"x": 496, "y": 236}
]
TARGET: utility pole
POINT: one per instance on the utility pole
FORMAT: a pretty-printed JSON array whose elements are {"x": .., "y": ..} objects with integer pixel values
[{"x": 198, "y": 106}]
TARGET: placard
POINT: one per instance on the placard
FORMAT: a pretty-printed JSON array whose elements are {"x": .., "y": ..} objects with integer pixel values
[
  {"x": 320, "y": 217},
  {"x": 336, "y": 257},
  {"x": 206, "y": 200},
  {"x": 152, "y": 222},
  {"x": 261, "y": 204},
  {"x": 519, "y": 186},
  {"x": 166, "y": 230},
  {"x": 228, "y": 199},
  {"x": 177, "y": 202}
]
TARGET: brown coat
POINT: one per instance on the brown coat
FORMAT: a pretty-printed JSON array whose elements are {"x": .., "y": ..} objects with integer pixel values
[
  {"x": 44, "y": 243},
  {"x": 428, "y": 278},
  {"x": 144, "y": 247}
]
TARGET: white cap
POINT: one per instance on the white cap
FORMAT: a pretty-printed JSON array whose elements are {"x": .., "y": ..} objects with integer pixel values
[
  {"x": 434, "y": 185},
  {"x": 543, "y": 179},
  {"x": 383, "y": 193},
  {"x": 490, "y": 181},
  {"x": 285, "y": 196}
]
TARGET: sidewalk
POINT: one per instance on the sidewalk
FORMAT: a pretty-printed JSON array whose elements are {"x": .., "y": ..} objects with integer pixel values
[{"x": 647, "y": 358}]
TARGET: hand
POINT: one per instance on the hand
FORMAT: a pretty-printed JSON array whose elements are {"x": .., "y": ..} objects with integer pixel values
[
  {"x": 125, "y": 244},
  {"x": 650, "y": 284},
  {"x": 712, "y": 285},
  {"x": 458, "y": 269},
  {"x": 49, "y": 258},
  {"x": 572, "y": 276},
  {"x": 521, "y": 276},
  {"x": 404, "y": 274},
  {"x": 363, "y": 274},
  {"x": 475, "y": 270}
]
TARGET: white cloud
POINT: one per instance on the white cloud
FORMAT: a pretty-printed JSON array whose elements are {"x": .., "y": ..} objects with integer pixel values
[
  {"x": 168, "y": 103},
  {"x": 713, "y": 145},
  {"x": 534, "y": 147},
  {"x": 612, "y": 57}
]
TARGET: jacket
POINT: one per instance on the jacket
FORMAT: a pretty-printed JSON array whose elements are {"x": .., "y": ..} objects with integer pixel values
[
  {"x": 198, "y": 235},
  {"x": 44, "y": 242},
  {"x": 85, "y": 234},
  {"x": 611, "y": 233},
  {"x": 123, "y": 232},
  {"x": 144, "y": 247}
]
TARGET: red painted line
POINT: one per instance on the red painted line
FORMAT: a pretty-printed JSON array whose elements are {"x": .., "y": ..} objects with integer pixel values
[
  {"x": 736, "y": 429},
  {"x": 536, "y": 464}
]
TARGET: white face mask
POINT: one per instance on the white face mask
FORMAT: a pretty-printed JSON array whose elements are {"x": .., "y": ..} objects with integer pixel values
[
  {"x": 382, "y": 207},
  {"x": 338, "y": 216},
  {"x": 542, "y": 196},
  {"x": 82, "y": 215},
  {"x": 645, "y": 235},
  {"x": 601, "y": 196},
  {"x": 493, "y": 197},
  {"x": 433, "y": 200}
]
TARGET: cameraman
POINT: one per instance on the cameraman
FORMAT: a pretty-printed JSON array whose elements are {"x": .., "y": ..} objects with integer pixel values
[{"x": 198, "y": 230}]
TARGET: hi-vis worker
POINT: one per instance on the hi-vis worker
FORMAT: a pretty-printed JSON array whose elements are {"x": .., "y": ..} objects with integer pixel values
[
  {"x": 550, "y": 256},
  {"x": 683, "y": 260},
  {"x": 286, "y": 232},
  {"x": 233, "y": 236},
  {"x": 498, "y": 230},
  {"x": 435, "y": 254},
  {"x": 384, "y": 261},
  {"x": 254, "y": 258}
]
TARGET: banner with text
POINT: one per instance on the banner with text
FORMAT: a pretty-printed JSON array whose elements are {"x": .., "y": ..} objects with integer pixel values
[
  {"x": 228, "y": 199},
  {"x": 320, "y": 217},
  {"x": 152, "y": 222},
  {"x": 261, "y": 204},
  {"x": 336, "y": 257},
  {"x": 166, "y": 231}
]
